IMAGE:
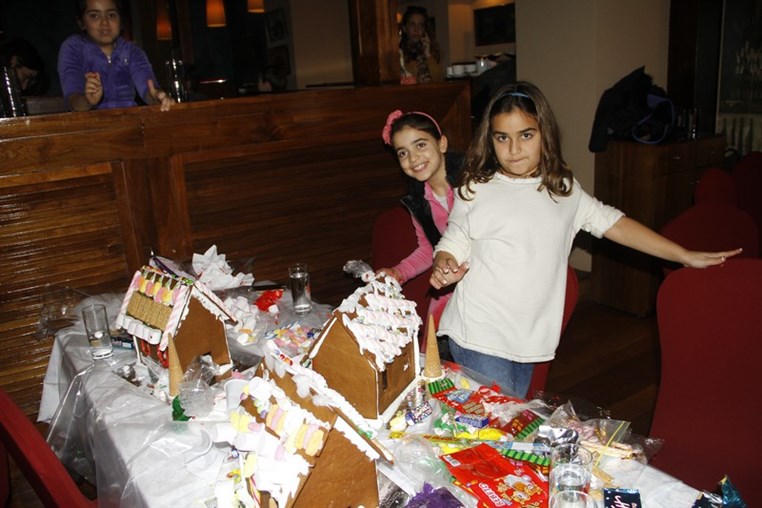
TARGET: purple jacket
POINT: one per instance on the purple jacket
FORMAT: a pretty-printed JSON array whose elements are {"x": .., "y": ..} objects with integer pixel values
[{"x": 128, "y": 70}]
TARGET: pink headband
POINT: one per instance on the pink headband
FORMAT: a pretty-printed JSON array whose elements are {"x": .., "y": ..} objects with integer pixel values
[{"x": 386, "y": 133}]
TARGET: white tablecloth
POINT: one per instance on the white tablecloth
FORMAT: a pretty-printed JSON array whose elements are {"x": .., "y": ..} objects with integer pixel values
[{"x": 143, "y": 458}]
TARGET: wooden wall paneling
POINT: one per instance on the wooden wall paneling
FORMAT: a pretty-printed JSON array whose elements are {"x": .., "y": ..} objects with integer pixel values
[
  {"x": 85, "y": 197},
  {"x": 56, "y": 234},
  {"x": 296, "y": 201},
  {"x": 170, "y": 208},
  {"x": 52, "y": 142},
  {"x": 132, "y": 185},
  {"x": 375, "y": 42}
]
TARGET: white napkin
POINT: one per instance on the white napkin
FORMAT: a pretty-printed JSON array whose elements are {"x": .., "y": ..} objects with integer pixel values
[{"x": 214, "y": 271}]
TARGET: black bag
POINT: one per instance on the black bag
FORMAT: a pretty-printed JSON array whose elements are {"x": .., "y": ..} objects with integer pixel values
[{"x": 633, "y": 109}]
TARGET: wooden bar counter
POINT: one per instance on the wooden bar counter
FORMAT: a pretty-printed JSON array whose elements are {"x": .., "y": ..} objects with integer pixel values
[{"x": 86, "y": 197}]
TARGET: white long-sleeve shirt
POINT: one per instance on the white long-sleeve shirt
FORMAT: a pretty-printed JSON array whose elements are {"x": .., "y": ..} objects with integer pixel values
[{"x": 517, "y": 241}]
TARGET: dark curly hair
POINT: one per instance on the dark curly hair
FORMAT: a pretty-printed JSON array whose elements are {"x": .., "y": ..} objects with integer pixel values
[
  {"x": 410, "y": 49},
  {"x": 481, "y": 163}
]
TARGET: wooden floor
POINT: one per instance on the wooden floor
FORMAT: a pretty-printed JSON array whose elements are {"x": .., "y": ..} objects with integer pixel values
[
  {"x": 610, "y": 359},
  {"x": 606, "y": 357}
]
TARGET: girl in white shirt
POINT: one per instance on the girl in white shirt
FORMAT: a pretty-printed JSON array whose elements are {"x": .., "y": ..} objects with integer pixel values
[{"x": 509, "y": 235}]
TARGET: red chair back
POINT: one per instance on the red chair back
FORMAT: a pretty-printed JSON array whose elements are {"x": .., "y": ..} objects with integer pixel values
[
  {"x": 716, "y": 186},
  {"x": 541, "y": 370},
  {"x": 20, "y": 439},
  {"x": 714, "y": 226},
  {"x": 393, "y": 240},
  {"x": 710, "y": 332},
  {"x": 747, "y": 175}
]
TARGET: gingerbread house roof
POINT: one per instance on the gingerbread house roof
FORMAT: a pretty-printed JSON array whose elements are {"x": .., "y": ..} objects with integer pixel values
[
  {"x": 379, "y": 320},
  {"x": 306, "y": 440},
  {"x": 157, "y": 303},
  {"x": 368, "y": 350}
]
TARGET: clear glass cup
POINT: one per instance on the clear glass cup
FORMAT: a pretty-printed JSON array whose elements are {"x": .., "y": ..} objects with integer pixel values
[
  {"x": 299, "y": 278},
  {"x": 571, "y": 468},
  {"x": 97, "y": 330},
  {"x": 571, "y": 499},
  {"x": 177, "y": 80},
  {"x": 10, "y": 95}
]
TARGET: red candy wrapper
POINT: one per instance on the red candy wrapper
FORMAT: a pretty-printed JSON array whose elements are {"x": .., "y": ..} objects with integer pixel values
[
  {"x": 268, "y": 298},
  {"x": 495, "y": 480},
  {"x": 523, "y": 424}
]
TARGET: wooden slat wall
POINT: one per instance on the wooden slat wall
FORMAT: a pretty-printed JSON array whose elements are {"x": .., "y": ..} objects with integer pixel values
[{"x": 85, "y": 197}]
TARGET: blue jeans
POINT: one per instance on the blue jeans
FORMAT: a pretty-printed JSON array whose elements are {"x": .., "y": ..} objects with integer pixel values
[{"x": 513, "y": 377}]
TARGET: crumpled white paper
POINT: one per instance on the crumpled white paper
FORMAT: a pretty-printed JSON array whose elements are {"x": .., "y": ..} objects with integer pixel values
[
  {"x": 249, "y": 328},
  {"x": 213, "y": 270}
]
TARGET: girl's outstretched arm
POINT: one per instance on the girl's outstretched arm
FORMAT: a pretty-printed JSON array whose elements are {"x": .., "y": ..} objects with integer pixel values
[
  {"x": 446, "y": 270},
  {"x": 632, "y": 233}
]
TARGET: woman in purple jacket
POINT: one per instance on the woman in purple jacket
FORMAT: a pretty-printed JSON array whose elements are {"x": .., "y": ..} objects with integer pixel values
[{"x": 100, "y": 69}]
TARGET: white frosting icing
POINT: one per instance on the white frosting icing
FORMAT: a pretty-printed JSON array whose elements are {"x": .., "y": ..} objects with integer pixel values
[
  {"x": 181, "y": 295},
  {"x": 381, "y": 320}
]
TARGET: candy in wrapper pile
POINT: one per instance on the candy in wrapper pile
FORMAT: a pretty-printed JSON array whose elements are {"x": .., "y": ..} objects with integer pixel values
[{"x": 495, "y": 480}]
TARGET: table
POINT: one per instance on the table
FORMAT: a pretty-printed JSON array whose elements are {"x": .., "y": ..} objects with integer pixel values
[{"x": 143, "y": 459}]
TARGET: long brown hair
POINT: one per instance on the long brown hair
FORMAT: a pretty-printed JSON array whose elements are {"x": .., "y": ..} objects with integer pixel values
[
  {"x": 481, "y": 163},
  {"x": 410, "y": 50}
]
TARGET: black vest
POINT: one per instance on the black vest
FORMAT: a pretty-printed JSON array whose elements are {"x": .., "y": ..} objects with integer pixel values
[{"x": 420, "y": 209}]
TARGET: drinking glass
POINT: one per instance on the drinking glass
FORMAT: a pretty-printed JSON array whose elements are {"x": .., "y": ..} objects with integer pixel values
[
  {"x": 300, "y": 287},
  {"x": 96, "y": 327},
  {"x": 571, "y": 499},
  {"x": 176, "y": 80},
  {"x": 10, "y": 95},
  {"x": 571, "y": 468}
]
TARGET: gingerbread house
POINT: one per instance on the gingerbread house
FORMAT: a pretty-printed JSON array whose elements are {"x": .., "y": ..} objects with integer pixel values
[
  {"x": 368, "y": 349},
  {"x": 174, "y": 319},
  {"x": 306, "y": 444}
]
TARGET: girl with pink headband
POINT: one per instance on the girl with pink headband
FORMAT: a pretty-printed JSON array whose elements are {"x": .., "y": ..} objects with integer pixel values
[{"x": 421, "y": 151}]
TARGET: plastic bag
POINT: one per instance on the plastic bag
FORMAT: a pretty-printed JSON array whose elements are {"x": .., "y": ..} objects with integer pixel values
[
  {"x": 358, "y": 269},
  {"x": 59, "y": 310}
]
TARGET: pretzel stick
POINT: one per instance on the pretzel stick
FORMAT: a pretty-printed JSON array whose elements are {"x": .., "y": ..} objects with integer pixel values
[{"x": 614, "y": 450}]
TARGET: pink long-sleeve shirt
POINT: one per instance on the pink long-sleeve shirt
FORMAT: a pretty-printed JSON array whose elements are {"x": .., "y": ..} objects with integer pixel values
[{"x": 421, "y": 258}]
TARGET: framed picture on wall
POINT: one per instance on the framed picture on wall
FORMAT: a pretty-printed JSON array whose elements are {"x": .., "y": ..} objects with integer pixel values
[
  {"x": 277, "y": 29},
  {"x": 495, "y": 25}
]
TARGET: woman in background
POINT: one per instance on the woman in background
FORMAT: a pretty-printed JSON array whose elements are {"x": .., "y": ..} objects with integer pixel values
[
  {"x": 419, "y": 54},
  {"x": 100, "y": 69},
  {"x": 27, "y": 64}
]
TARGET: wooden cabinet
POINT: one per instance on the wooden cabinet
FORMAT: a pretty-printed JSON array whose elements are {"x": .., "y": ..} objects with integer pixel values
[{"x": 651, "y": 184}]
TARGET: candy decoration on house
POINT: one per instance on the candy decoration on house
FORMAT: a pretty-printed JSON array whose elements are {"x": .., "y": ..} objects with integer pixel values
[
  {"x": 368, "y": 349},
  {"x": 174, "y": 319},
  {"x": 302, "y": 441},
  {"x": 433, "y": 367}
]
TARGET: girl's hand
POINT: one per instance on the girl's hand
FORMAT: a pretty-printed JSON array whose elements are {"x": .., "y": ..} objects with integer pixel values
[
  {"x": 160, "y": 96},
  {"x": 446, "y": 270},
  {"x": 93, "y": 88},
  {"x": 426, "y": 43},
  {"x": 694, "y": 259},
  {"x": 391, "y": 272}
]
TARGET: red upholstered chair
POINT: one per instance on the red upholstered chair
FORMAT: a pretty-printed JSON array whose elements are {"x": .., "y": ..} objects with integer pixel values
[
  {"x": 393, "y": 240},
  {"x": 713, "y": 226},
  {"x": 747, "y": 175},
  {"x": 540, "y": 374},
  {"x": 710, "y": 331},
  {"x": 20, "y": 439},
  {"x": 717, "y": 186}
]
